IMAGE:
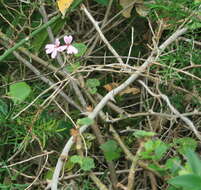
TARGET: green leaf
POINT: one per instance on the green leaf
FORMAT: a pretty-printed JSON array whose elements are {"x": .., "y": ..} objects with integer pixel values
[
  {"x": 111, "y": 150},
  {"x": 72, "y": 67},
  {"x": 154, "y": 149},
  {"x": 190, "y": 181},
  {"x": 85, "y": 121},
  {"x": 113, "y": 155},
  {"x": 76, "y": 159},
  {"x": 160, "y": 149},
  {"x": 19, "y": 92},
  {"x": 173, "y": 188},
  {"x": 184, "y": 144},
  {"x": 92, "y": 83},
  {"x": 69, "y": 165},
  {"x": 110, "y": 145},
  {"x": 93, "y": 90},
  {"x": 103, "y": 2},
  {"x": 3, "y": 108},
  {"x": 39, "y": 40},
  {"x": 141, "y": 134},
  {"x": 87, "y": 164},
  {"x": 194, "y": 162},
  {"x": 186, "y": 169},
  {"x": 194, "y": 25},
  {"x": 75, "y": 4},
  {"x": 146, "y": 155},
  {"x": 173, "y": 164},
  {"x": 149, "y": 146},
  {"x": 42, "y": 38},
  {"x": 197, "y": 2},
  {"x": 158, "y": 168},
  {"x": 48, "y": 175},
  {"x": 81, "y": 49}
]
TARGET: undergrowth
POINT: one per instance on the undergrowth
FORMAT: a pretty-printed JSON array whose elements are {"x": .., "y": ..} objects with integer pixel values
[{"x": 146, "y": 136}]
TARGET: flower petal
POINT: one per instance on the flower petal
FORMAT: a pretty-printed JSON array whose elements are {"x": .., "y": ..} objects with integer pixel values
[
  {"x": 72, "y": 50},
  {"x": 48, "y": 51},
  {"x": 68, "y": 39},
  {"x": 54, "y": 54},
  {"x": 61, "y": 48},
  {"x": 57, "y": 42},
  {"x": 48, "y": 46}
]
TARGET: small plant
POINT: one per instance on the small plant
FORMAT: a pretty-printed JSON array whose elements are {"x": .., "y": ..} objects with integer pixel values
[
  {"x": 111, "y": 150},
  {"x": 86, "y": 163},
  {"x": 92, "y": 85},
  {"x": 189, "y": 177},
  {"x": 183, "y": 176}
]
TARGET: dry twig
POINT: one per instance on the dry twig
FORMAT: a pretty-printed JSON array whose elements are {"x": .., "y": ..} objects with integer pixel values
[
  {"x": 109, "y": 96},
  {"x": 173, "y": 109}
]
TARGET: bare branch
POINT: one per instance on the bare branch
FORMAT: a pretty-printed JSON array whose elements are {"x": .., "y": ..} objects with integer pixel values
[
  {"x": 109, "y": 96},
  {"x": 173, "y": 109}
]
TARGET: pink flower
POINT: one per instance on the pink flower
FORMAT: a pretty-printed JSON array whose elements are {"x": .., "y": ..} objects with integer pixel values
[
  {"x": 70, "y": 48},
  {"x": 54, "y": 48}
]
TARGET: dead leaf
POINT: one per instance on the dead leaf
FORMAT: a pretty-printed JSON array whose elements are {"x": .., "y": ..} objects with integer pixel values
[
  {"x": 74, "y": 132},
  {"x": 124, "y": 4},
  {"x": 139, "y": 6},
  {"x": 110, "y": 86},
  {"x": 89, "y": 108},
  {"x": 63, "y": 157},
  {"x": 141, "y": 9},
  {"x": 128, "y": 90},
  {"x": 64, "y": 5}
]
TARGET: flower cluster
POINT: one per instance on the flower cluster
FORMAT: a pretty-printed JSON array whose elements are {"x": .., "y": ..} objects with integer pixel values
[{"x": 53, "y": 49}]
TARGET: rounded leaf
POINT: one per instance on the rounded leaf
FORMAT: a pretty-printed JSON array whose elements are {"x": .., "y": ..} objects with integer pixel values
[{"x": 19, "y": 92}]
